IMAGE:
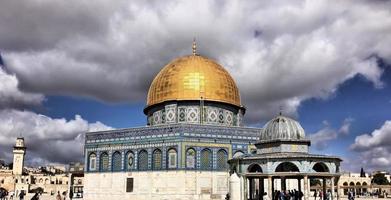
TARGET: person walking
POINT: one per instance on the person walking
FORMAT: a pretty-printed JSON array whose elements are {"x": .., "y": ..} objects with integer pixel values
[
  {"x": 58, "y": 197},
  {"x": 21, "y": 195},
  {"x": 315, "y": 194}
]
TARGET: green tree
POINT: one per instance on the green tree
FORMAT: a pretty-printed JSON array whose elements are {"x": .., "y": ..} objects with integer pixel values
[{"x": 380, "y": 179}]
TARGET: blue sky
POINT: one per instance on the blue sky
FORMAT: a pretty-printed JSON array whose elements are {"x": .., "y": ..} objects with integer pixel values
[{"x": 71, "y": 67}]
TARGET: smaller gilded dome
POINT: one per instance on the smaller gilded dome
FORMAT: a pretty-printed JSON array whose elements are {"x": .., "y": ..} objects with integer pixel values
[{"x": 282, "y": 128}]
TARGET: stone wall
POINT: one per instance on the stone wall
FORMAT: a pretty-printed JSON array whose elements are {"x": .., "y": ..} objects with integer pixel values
[{"x": 158, "y": 185}]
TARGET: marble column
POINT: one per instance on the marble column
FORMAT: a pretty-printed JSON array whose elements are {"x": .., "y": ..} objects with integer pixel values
[
  {"x": 324, "y": 188},
  {"x": 306, "y": 192},
  {"x": 234, "y": 186},
  {"x": 332, "y": 188},
  {"x": 269, "y": 187}
]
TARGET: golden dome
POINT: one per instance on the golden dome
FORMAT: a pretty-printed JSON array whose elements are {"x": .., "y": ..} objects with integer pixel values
[{"x": 192, "y": 78}]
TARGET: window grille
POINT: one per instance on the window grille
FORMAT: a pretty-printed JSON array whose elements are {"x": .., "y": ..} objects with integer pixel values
[
  {"x": 157, "y": 159},
  {"x": 117, "y": 161},
  {"x": 143, "y": 160},
  {"x": 104, "y": 162},
  {"x": 222, "y": 159},
  {"x": 206, "y": 159}
]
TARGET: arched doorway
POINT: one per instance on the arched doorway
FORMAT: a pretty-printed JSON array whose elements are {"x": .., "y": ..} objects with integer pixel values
[
  {"x": 358, "y": 188},
  {"x": 345, "y": 188},
  {"x": 364, "y": 187},
  {"x": 256, "y": 183},
  {"x": 351, "y": 186}
]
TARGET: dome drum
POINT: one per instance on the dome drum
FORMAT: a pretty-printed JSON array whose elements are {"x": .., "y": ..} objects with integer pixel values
[{"x": 194, "y": 112}]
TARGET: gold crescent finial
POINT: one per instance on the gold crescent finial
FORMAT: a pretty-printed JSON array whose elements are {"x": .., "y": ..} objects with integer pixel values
[{"x": 194, "y": 47}]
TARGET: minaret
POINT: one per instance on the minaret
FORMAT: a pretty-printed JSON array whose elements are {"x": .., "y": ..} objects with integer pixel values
[{"x": 19, "y": 152}]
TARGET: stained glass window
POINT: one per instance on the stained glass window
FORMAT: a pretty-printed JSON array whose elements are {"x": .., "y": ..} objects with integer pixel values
[
  {"x": 206, "y": 159},
  {"x": 172, "y": 159},
  {"x": 190, "y": 158},
  {"x": 222, "y": 158},
  {"x": 129, "y": 160},
  {"x": 143, "y": 160},
  {"x": 92, "y": 161},
  {"x": 117, "y": 161},
  {"x": 104, "y": 162},
  {"x": 157, "y": 159}
]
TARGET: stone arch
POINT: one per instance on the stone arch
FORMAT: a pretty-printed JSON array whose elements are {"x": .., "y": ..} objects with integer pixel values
[
  {"x": 172, "y": 158},
  {"x": 41, "y": 180},
  {"x": 320, "y": 167},
  {"x": 364, "y": 189},
  {"x": 255, "y": 168},
  {"x": 47, "y": 181},
  {"x": 116, "y": 161},
  {"x": 287, "y": 167},
  {"x": 358, "y": 188},
  {"x": 351, "y": 185},
  {"x": 345, "y": 189}
]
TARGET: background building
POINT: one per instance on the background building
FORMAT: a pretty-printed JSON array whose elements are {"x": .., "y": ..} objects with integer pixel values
[{"x": 47, "y": 180}]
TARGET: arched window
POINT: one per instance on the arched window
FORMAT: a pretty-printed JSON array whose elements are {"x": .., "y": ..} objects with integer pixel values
[
  {"x": 206, "y": 159},
  {"x": 143, "y": 160},
  {"x": 104, "y": 162},
  {"x": 287, "y": 167},
  {"x": 129, "y": 160},
  {"x": 172, "y": 159},
  {"x": 190, "y": 158},
  {"x": 157, "y": 159},
  {"x": 320, "y": 167},
  {"x": 222, "y": 158},
  {"x": 117, "y": 161},
  {"x": 92, "y": 162}
]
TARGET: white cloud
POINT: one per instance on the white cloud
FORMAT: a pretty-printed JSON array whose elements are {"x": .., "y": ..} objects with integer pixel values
[
  {"x": 47, "y": 139},
  {"x": 12, "y": 96},
  {"x": 324, "y": 136},
  {"x": 374, "y": 150},
  {"x": 321, "y": 138},
  {"x": 280, "y": 53},
  {"x": 345, "y": 128}
]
